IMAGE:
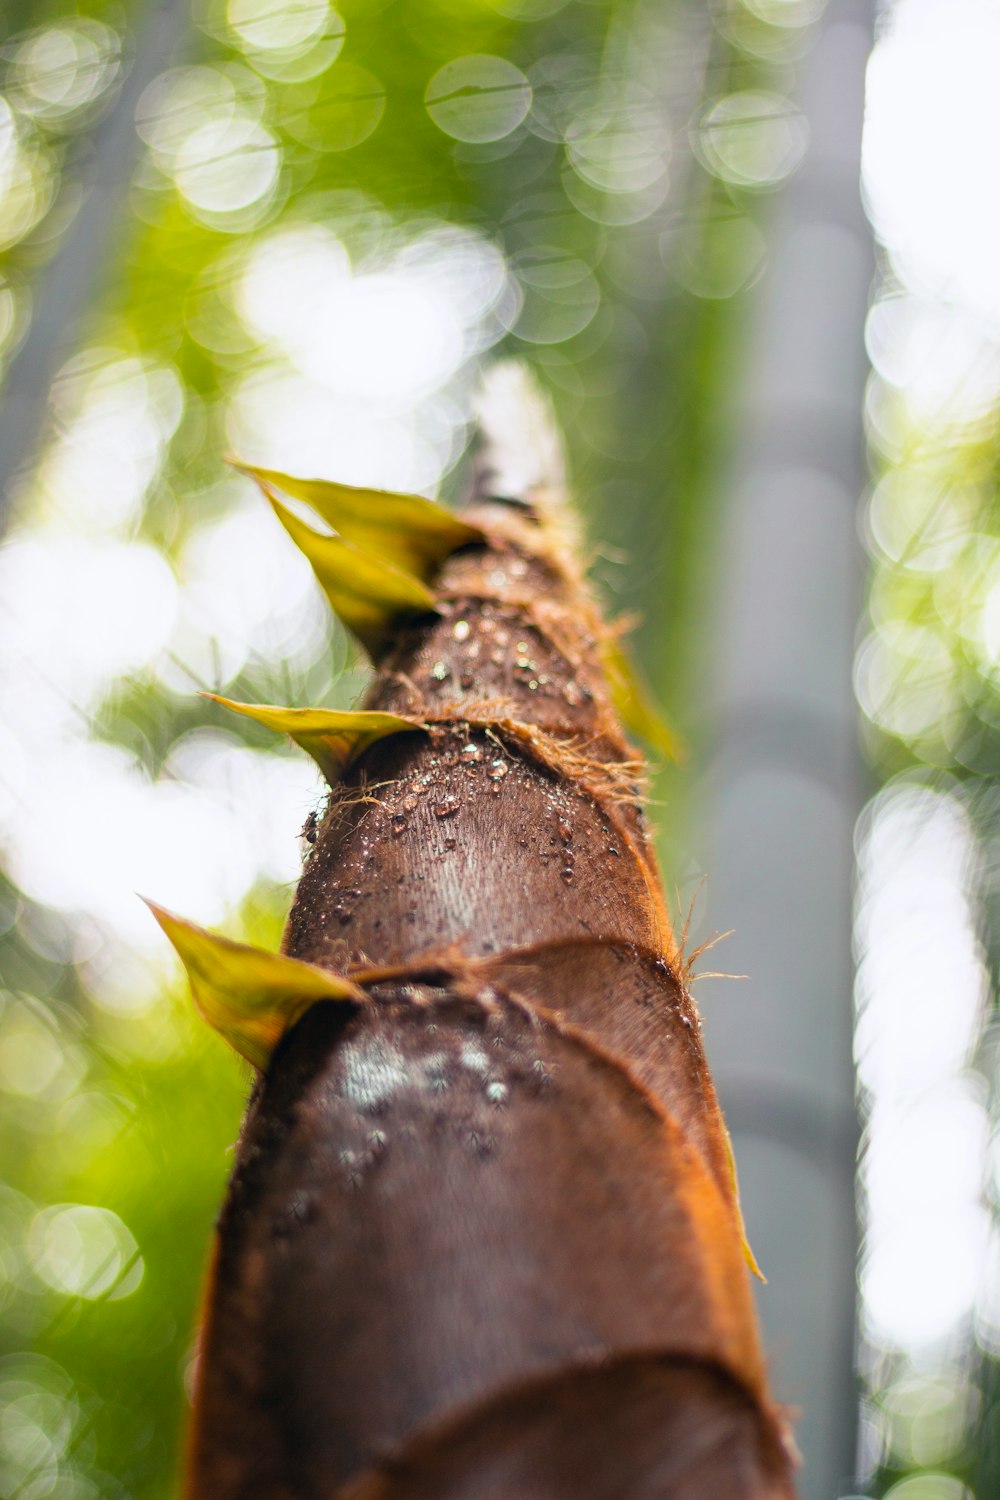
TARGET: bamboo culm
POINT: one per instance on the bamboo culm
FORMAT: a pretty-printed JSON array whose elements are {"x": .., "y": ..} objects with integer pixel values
[{"x": 482, "y": 1240}]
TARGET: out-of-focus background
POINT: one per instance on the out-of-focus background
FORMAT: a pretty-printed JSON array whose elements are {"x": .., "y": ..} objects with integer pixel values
[{"x": 295, "y": 229}]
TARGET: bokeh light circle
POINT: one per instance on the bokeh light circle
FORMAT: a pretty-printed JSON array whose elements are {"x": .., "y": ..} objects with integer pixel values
[
  {"x": 281, "y": 25},
  {"x": 85, "y": 1251},
  {"x": 58, "y": 72},
  {"x": 225, "y": 166},
  {"x": 751, "y": 139},
  {"x": 478, "y": 98},
  {"x": 351, "y": 111},
  {"x": 560, "y": 296}
]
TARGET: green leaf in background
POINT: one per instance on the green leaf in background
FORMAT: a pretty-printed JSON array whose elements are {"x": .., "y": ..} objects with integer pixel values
[{"x": 634, "y": 702}]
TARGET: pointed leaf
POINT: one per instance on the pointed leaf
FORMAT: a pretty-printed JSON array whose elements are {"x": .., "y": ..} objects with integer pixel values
[
  {"x": 634, "y": 702},
  {"x": 409, "y": 531},
  {"x": 333, "y": 739},
  {"x": 251, "y": 997},
  {"x": 368, "y": 594},
  {"x": 748, "y": 1255}
]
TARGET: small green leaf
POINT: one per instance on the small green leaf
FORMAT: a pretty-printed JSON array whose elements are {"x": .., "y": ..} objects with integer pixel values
[
  {"x": 368, "y": 594},
  {"x": 251, "y": 997},
  {"x": 408, "y": 531},
  {"x": 634, "y": 702},
  {"x": 333, "y": 739}
]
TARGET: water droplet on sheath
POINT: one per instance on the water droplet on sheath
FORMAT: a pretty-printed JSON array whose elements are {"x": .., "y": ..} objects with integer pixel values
[
  {"x": 301, "y": 1208},
  {"x": 373, "y": 1072},
  {"x": 440, "y": 672},
  {"x": 445, "y": 809},
  {"x": 460, "y": 630},
  {"x": 474, "y": 1058}
]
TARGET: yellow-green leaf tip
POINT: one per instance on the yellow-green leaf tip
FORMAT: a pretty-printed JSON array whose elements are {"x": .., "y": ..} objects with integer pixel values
[
  {"x": 369, "y": 594},
  {"x": 251, "y": 997},
  {"x": 334, "y": 739},
  {"x": 409, "y": 531}
]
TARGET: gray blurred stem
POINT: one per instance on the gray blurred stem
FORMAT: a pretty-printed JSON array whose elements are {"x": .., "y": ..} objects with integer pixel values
[
  {"x": 785, "y": 784},
  {"x": 76, "y": 274}
]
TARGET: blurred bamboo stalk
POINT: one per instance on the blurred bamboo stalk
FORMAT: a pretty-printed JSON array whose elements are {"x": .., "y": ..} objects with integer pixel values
[
  {"x": 78, "y": 272},
  {"x": 785, "y": 783}
]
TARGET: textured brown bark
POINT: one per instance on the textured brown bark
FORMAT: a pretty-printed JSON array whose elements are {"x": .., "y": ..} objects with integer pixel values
[{"x": 482, "y": 1238}]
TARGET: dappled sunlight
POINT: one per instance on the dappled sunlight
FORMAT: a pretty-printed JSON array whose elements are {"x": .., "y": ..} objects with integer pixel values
[
  {"x": 76, "y": 613},
  {"x": 241, "y": 599},
  {"x": 205, "y": 132},
  {"x": 921, "y": 993},
  {"x": 930, "y": 154},
  {"x": 289, "y": 29},
  {"x": 116, "y": 417},
  {"x": 27, "y": 184},
  {"x": 59, "y": 73},
  {"x": 391, "y": 331},
  {"x": 926, "y": 681}
]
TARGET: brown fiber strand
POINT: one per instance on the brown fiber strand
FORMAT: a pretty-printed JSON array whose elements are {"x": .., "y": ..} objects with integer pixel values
[{"x": 482, "y": 1240}]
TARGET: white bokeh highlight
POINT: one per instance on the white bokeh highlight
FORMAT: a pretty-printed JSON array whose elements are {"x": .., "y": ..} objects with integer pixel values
[{"x": 921, "y": 991}]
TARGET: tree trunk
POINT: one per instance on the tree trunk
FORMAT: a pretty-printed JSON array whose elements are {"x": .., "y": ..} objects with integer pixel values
[{"x": 482, "y": 1239}]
